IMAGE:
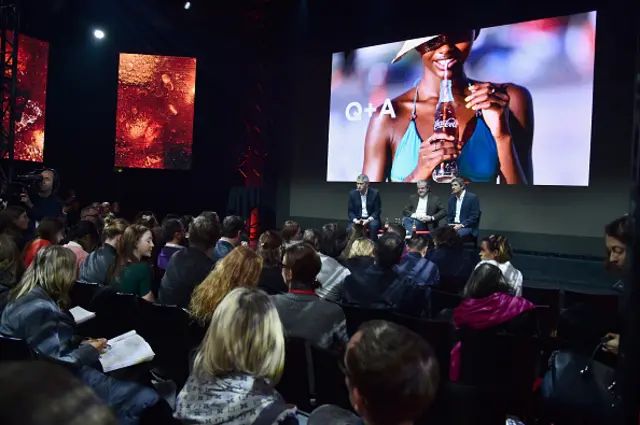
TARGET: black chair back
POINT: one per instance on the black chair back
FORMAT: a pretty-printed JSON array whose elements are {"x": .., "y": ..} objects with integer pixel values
[
  {"x": 543, "y": 296},
  {"x": 330, "y": 386},
  {"x": 116, "y": 314},
  {"x": 166, "y": 329},
  {"x": 601, "y": 303},
  {"x": 15, "y": 349},
  {"x": 356, "y": 316},
  {"x": 443, "y": 300},
  {"x": 438, "y": 334},
  {"x": 294, "y": 385},
  {"x": 82, "y": 294},
  {"x": 504, "y": 363}
]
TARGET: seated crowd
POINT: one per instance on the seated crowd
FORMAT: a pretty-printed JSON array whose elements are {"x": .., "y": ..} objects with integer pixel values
[{"x": 295, "y": 284}]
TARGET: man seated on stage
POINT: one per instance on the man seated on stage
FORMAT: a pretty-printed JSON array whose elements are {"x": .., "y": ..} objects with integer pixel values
[
  {"x": 463, "y": 210},
  {"x": 424, "y": 210},
  {"x": 365, "y": 206}
]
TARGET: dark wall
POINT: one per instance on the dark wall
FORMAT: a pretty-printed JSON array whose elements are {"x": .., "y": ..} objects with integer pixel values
[{"x": 549, "y": 219}]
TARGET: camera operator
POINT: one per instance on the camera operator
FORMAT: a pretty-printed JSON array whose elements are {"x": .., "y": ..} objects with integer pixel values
[{"x": 44, "y": 202}]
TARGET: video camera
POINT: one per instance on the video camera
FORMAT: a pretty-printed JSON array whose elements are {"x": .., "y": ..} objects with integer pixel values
[{"x": 24, "y": 183}]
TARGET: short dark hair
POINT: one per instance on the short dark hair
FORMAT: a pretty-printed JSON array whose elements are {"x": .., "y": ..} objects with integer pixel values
[
  {"x": 49, "y": 228},
  {"x": 417, "y": 243},
  {"x": 203, "y": 233},
  {"x": 446, "y": 236},
  {"x": 171, "y": 227},
  {"x": 231, "y": 226},
  {"x": 303, "y": 261},
  {"x": 289, "y": 230},
  {"x": 389, "y": 250},
  {"x": 621, "y": 229},
  {"x": 333, "y": 240},
  {"x": 211, "y": 215},
  {"x": 485, "y": 280},
  {"x": 398, "y": 230},
  {"x": 313, "y": 237},
  {"x": 83, "y": 229},
  {"x": 395, "y": 371}
]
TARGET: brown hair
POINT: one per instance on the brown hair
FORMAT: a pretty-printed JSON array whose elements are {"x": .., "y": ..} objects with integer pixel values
[
  {"x": 304, "y": 263},
  {"x": 290, "y": 230},
  {"x": 395, "y": 371},
  {"x": 269, "y": 248},
  {"x": 125, "y": 249},
  {"x": 501, "y": 245},
  {"x": 241, "y": 267},
  {"x": 113, "y": 227}
]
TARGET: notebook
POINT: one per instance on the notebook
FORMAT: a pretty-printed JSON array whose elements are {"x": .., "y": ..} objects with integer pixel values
[
  {"x": 80, "y": 315},
  {"x": 125, "y": 350}
]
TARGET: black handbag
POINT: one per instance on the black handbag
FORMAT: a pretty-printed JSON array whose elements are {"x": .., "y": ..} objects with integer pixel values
[{"x": 578, "y": 386}]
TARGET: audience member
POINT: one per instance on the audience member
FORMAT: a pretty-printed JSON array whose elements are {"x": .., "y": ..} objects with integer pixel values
[
  {"x": 454, "y": 266},
  {"x": 188, "y": 267},
  {"x": 398, "y": 230},
  {"x": 415, "y": 266},
  {"x": 291, "y": 232},
  {"x": 392, "y": 376},
  {"x": 44, "y": 203},
  {"x": 83, "y": 239},
  {"x": 186, "y": 222},
  {"x": 49, "y": 232},
  {"x": 147, "y": 219},
  {"x": 355, "y": 232},
  {"x": 361, "y": 255},
  {"x": 95, "y": 269},
  {"x": 211, "y": 216},
  {"x": 10, "y": 268},
  {"x": 380, "y": 286},
  {"x": 174, "y": 235},
  {"x": 92, "y": 214},
  {"x": 241, "y": 268},
  {"x": 333, "y": 240},
  {"x": 37, "y": 310},
  {"x": 496, "y": 250},
  {"x": 40, "y": 393},
  {"x": 15, "y": 223},
  {"x": 488, "y": 303},
  {"x": 332, "y": 273},
  {"x": 239, "y": 362},
  {"x": 302, "y": 312},
  {"x": 129, "y": 274},
  {"x": 270, "y": 249},
  {"x": 233, "y": 227}
]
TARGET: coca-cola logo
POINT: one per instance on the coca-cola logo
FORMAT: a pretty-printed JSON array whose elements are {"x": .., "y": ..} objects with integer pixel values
[{"x": 448, "y": 123}]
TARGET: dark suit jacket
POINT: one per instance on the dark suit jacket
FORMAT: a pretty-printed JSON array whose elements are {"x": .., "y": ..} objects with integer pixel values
[
  {"x": 374, "y": 205},
  {"x": 434, "y": 208},
  {"x": 469, "y": 213}
]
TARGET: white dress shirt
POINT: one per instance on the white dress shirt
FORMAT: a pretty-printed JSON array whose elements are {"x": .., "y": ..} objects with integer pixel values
[
  {"x": 363, "y": 197},
  {"x": 459, "y": 206},
  {"x": 421, "y": 209}
]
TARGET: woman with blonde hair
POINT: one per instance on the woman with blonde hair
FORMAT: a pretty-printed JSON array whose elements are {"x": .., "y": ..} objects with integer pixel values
[
  {"x": 237, "y": 366},
  {"x": 95, "y": 269},
  {"x": 38, "y": 309},
  {"x": 242, "y": 267}
]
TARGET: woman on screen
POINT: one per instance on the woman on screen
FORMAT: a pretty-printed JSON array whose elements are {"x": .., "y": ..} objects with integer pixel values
[{"x": 495, "y": 122}]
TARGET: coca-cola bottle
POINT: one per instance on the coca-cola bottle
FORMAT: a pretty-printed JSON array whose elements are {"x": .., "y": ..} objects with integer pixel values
[{"x": 446, "y": 122}]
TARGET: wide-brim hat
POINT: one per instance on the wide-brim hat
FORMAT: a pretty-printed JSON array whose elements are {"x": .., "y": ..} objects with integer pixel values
[{"x": 409, "y": 45}]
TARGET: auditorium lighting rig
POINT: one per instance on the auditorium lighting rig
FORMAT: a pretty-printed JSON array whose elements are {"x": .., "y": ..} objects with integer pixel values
[
  {"x": 99, "y": 34},
  {"x": 187, "y": 5}
]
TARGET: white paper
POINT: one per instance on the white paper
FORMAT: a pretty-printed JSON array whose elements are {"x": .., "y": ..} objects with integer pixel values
[
  {"x": 80, "y": 315},
  {"x": 126, "y": 350}
]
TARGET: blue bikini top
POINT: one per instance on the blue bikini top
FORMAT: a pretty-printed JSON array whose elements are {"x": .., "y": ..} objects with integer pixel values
[{"x": 478, "y": 161}]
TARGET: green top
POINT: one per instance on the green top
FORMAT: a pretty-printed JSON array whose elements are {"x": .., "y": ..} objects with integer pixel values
[{"x": 135, "y": 279}]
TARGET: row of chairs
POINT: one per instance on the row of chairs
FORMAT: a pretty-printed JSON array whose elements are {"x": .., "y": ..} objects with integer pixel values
[{"x": 169, "y": 330}]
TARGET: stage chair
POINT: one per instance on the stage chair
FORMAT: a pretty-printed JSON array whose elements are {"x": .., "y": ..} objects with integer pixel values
[
  {"x": 295, "y": 384},
  {"x": 166, "y": 329},
  {"x": 14, "y": 350},
  {"x": 356, "y": 316},
  {"x": 438, "y": 334},
  {"x": 330, "y": 387}
]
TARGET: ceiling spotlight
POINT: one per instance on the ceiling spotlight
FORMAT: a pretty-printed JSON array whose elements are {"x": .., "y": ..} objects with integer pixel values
[
  {"x": 99, "y": 34},
  {"x": 187, "y": 5}
]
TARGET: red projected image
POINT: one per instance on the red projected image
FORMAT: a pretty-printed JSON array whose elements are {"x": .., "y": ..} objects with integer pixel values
[
  {"x": 154, "y": 120},
  {"x": 31, "y": 95}
]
